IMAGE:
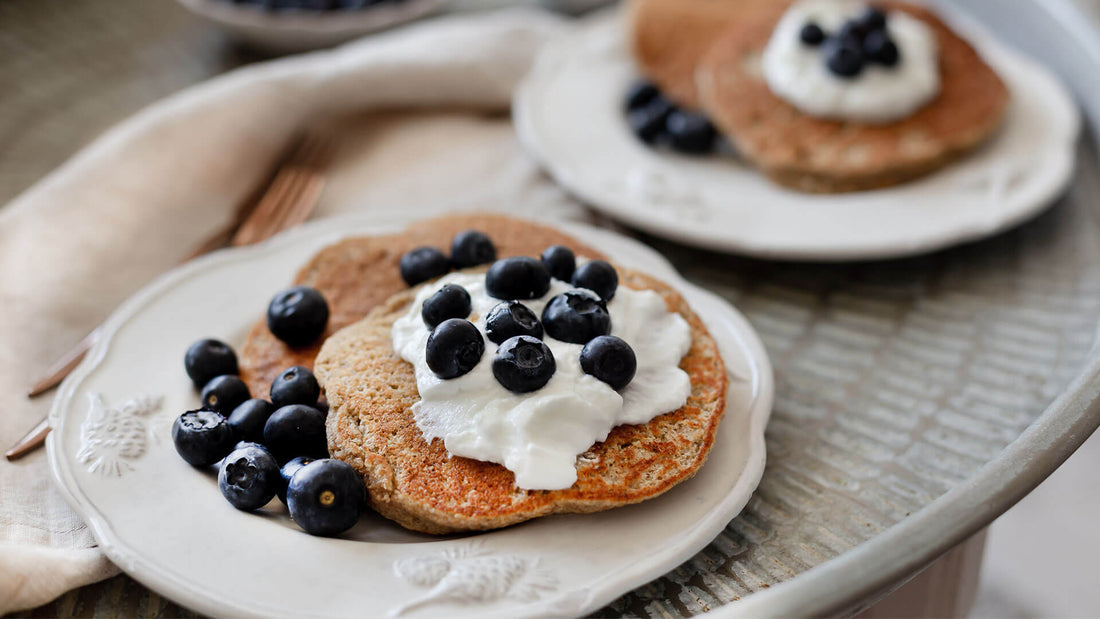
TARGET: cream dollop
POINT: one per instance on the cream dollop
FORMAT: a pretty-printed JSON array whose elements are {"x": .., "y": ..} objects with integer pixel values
[
  {"x": 796, "y": 72},
  {"x": 539, "y": 435}
]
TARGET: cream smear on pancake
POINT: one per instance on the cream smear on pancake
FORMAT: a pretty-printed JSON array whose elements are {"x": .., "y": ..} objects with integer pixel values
[
  {"x": 797, "y": 72},
  {"x": 538, "y": 435}
]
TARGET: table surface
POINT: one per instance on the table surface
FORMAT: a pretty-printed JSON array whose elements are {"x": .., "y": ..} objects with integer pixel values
[{"x": 82, "y": 66}]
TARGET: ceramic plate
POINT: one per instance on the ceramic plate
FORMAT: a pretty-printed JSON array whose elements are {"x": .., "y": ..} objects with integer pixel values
[
  {"x": 167, "y": 525},
  {"x": 569, "y": 116},
  {"x": 299, "y": 30}
]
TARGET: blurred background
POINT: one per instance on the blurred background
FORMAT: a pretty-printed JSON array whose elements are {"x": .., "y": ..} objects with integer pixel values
[{"x": 71, "y": 69}]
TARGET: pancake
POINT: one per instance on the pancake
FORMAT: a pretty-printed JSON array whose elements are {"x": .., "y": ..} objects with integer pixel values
[
  {"x": 357, "y": 274},
  {"x": 816, "y": 155},
  {"x": 371, "y": 391}
]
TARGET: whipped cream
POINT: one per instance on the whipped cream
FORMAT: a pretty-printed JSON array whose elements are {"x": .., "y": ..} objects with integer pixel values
[
  {"x": 539, "y": 435},
  {"x": 796, "y": 72}
]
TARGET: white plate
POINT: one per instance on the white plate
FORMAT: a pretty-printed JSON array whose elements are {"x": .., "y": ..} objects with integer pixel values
[
  {"x": 568, "y": 113},
  {"x": 300, "y": 30},
  {"x": 167, "y": 525}
]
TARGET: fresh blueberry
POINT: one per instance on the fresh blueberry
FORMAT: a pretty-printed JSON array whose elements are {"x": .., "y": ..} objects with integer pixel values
[
  {"x": 640, "y": 93},
  {"x": 224, "y": 393},
  {"x": 843, "y": 57},
  {"x": 202, "y": 437},
  {"x": 249, "y": 477},
  {"x": 471, "y": 248},
  {"x": 423, "y": 263},
  {"x": 519, "y": 277},
  {"x": 871, "y": 20},
  {"x": 249, "y": 417},
  {"x": 851, "y": 32},
  {"x": 296, "y": 430},
  {"x": 450, "y": 301},
  {"x": 509, "y": 319},
  {"x": 206, "y": 359},
  {"x": 609, "y": 359},
  {"x": 648, "y": 122},
  {"x": 523, "y": 364},
  {"x": 560, "y": 261},
  {"x": 878, "y": 47},
  {"x": 454, "y": 347},
  {"x": 325, "y": 497},
  {"x": 599, "y": 277},
  {"x": 295, "y": 385},
  {"x": 576, "y": 317},
  {"x": 287, "y": 471},
  {"x": 812, "y": 34},
  {"x": 298, "y": 316},
  {"x": 690, "y": 132}
]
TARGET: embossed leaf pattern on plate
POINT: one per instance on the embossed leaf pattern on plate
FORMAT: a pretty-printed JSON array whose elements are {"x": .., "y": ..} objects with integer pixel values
[
  {"x": 471, "y": 575},
  {"x": 111, "y": 438}
]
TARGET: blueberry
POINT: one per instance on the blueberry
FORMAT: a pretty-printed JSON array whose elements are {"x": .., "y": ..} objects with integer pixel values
[
  {"x": 423, "y": 263},
  {"x": 202, "y": 437},
  {"x": 560, "y": 261},
  {"x": 224, "y": 393},
  {"x": 523, "y": 364},
  {"x": 812, "y": 34},
  {"x": 471, "y": 248},
  {"x": 850, "y": 32},
  {"x": 690, "y": 132},
  {"x": 249, "y": 417},
  {"x": 509, "y": 319},
  {"x": 325, "y": 497},
  {"x": 640, "y": 93},
  {"x": 871, "y": 20},
  {"x": 297, "y": 316},
  {"x": 576, "y": 316},
  {"x": 454, "y": 347},
  {"x": 843, "y": 57},
  {"x": 295, "y": 385},
  {"x": 599, "y": 277},
  {"x": 296, "y": 430},
  {"x": 206, "y": 359},
  {"x": 287, "y": 471},
  {"x": 609, "y": 359},
  {"x": 519, "y": 277},
  {"x": 450, "y": 301},
  {"x": 648, "y": 121},
  {"x": 878, "y": 47},
  {"x": 249, "y": 477}
]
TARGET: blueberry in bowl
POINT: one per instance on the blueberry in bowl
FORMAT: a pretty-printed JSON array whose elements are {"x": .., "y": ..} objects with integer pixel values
[
  {"x": 249, "y": 477},
  {"x": 298, "y": 315},
  {"x": 295, "y": 385},
  {"x": 202, "y": 437},
  {"x": 208, "y": 358},
  {"x": 224, "y": 393},
  {"x": 325, "y": 497}
]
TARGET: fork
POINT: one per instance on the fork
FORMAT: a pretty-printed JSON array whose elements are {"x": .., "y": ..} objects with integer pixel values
[{"x": 288, "y": 200}]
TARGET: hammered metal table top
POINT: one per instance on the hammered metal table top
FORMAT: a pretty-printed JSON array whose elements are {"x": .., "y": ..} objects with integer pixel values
[{"x": 895, "y": 380}]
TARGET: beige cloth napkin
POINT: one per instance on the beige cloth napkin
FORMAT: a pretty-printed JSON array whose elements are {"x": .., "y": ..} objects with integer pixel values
[{"x": 133, "y": 203}]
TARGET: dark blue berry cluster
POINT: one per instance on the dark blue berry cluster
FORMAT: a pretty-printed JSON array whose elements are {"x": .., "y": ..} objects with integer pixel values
[
  {"x": 523, "y": 362},
  {"x": 858, "y": 42},
  {"x": 657, "y": 121},
  {"x": 267, "y": 448},
  {"x": 468, "y": 249}
]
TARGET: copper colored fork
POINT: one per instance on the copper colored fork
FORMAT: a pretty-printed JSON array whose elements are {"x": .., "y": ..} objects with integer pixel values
[{"x": 288, "y": 200}]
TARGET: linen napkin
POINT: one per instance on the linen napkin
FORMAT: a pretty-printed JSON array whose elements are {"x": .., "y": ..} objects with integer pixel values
[{"x": 133, "y": 203}]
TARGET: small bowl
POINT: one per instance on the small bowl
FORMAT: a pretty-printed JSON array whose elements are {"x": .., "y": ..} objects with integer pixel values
[{"x": 296, "y": 30}]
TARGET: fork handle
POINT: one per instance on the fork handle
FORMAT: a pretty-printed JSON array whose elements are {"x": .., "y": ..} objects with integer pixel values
[{"x": 64, "y": 365}]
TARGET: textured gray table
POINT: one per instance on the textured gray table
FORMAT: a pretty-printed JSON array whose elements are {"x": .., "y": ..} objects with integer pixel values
[{"x": 895, "y": 380}]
